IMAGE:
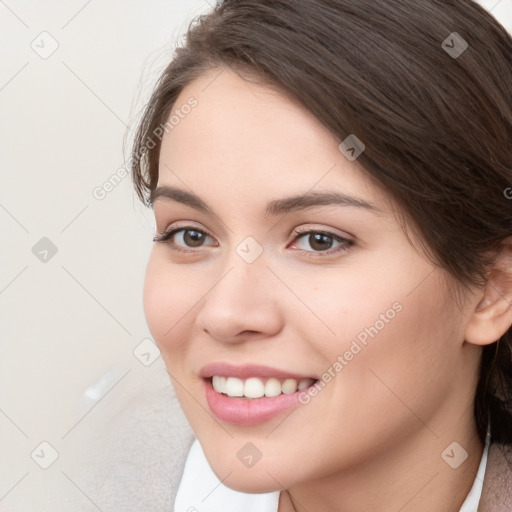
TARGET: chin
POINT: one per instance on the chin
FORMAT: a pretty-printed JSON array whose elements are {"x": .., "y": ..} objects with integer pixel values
[
  {"x": 252, "y": 483},
  {"x": 260, "y": 478}
]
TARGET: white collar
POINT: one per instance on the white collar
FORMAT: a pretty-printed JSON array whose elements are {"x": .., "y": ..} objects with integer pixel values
[{"x": 201, "y": 491}]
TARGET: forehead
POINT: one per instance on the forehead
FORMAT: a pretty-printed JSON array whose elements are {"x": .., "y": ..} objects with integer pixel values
[{"x": 247, "y": 136}]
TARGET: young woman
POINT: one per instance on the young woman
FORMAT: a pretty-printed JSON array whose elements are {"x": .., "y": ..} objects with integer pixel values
[{"x": 331, "y": 280}]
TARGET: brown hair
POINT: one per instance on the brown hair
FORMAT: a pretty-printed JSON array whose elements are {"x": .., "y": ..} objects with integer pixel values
[{"x": 437, "y": 125}]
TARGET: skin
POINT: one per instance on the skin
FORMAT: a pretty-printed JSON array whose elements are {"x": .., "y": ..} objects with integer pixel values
[{"x": 372, "y": 439}]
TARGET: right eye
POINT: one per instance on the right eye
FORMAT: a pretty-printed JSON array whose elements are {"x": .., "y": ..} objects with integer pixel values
[{"x": 185, "y": 236}]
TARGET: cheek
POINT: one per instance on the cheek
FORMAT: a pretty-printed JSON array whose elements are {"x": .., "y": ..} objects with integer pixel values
[
  {"x": 403, "y": 369},
  {"x": 395, "y": 309},
  {"x": 397, "y": 340},
  {"x": 167, "y": 305},
  {"x": 346, "y": 305}
]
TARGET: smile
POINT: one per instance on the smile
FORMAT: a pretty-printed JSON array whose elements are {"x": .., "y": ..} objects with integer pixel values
[{"x": 250, "y": 394}]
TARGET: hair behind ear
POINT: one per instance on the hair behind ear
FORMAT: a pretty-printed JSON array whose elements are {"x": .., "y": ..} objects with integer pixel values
[{"x": 493, "y": 403}]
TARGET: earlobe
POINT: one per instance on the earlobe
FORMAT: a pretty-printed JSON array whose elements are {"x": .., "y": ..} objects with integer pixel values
[{"x": 492, "y": 316}]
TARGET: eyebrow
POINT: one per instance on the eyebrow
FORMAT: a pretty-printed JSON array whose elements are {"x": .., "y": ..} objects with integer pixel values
[{"x": 275, "y": 207}]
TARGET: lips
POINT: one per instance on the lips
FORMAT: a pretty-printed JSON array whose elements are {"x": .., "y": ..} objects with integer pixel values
[{"x": 251, "y": 394}]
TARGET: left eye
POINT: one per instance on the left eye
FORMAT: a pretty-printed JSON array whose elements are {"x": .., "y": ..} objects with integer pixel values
[{"x": 322, "y": 241}]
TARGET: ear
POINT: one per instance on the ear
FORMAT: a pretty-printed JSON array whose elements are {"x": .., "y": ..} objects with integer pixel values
[{"x": 492, "y": 316}]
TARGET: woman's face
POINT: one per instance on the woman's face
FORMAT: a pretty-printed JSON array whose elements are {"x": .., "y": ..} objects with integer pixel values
[{"x": 321, "y": 287}]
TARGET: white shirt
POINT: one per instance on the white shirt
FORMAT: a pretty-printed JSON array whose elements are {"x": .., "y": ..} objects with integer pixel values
[{"x": 201, "y": 491}]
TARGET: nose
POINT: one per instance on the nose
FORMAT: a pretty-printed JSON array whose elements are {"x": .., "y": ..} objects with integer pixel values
[{"x": 243, "y": 305}]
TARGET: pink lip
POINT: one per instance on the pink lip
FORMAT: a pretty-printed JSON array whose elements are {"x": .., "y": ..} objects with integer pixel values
[
  {"x": 247, "y": 411},
  {"x": 248, "y": 370}
]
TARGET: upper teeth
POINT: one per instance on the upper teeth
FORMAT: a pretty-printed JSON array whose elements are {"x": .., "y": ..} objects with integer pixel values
[{"x": 255, "y": 387}]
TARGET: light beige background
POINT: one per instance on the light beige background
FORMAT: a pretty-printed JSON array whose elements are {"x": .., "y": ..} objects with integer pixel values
[{"x": 69, "y": 326}]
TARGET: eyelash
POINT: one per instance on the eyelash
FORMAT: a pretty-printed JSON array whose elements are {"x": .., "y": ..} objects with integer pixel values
[{"x": 166, "y": 236}]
